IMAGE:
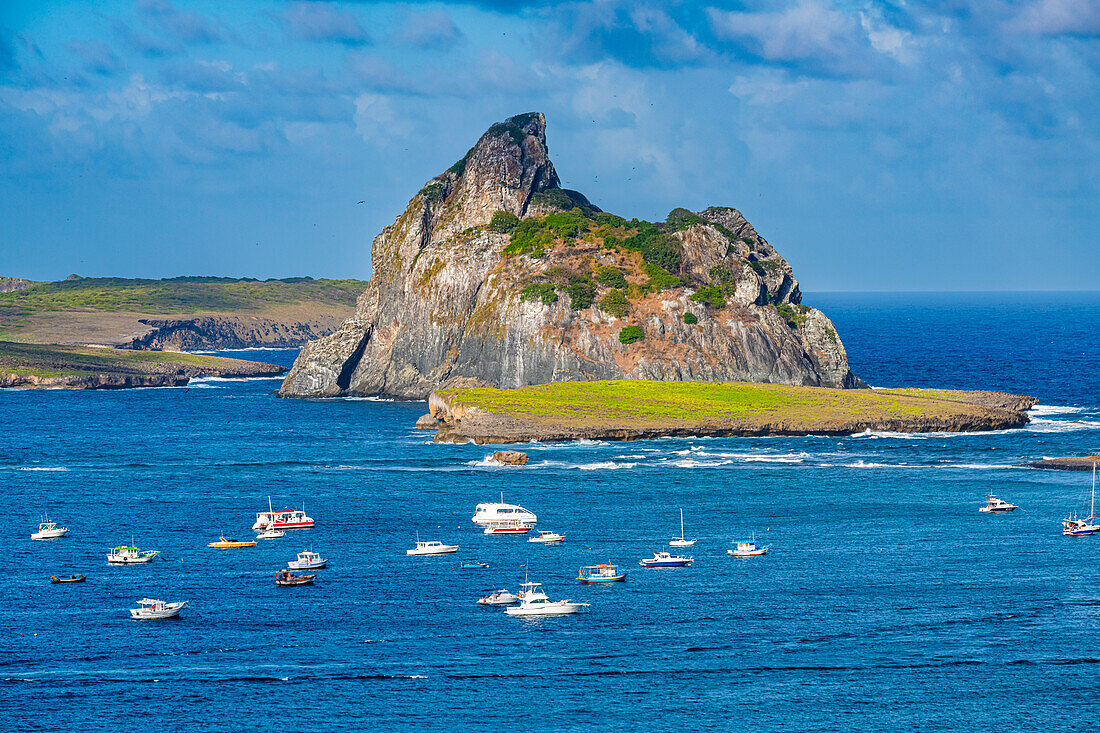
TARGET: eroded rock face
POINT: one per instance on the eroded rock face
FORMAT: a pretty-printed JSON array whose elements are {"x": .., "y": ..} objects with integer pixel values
[{"x": 444, "y": 301}]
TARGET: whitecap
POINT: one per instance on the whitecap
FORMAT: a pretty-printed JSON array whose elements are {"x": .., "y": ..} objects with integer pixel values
[
  {"x": 1041, "y": 410},
  {"x": 602, "y": 465},
  {"x": 693, "y": 463},
  {"x": 42, "y": 468},
  {"x": 1039, "y": 425}
]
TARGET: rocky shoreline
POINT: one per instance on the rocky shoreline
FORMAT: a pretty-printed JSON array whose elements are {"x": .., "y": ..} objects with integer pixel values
[
  {"x": 230, "y": 332},
  {"x": 1082, "y": 463},
  {"x": 33, "y": 366},
  {"x": 458, "y": 418}
]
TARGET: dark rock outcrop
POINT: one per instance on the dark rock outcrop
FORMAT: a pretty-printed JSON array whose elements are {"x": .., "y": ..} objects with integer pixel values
[
  {"x": 445, "y": 301},
  {"x": 1082, "y": 463},
  {"x": 229, "y": 332}
]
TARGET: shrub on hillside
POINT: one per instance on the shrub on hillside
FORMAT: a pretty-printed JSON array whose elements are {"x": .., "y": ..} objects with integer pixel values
[
  {"x": 615, "y": 304},
  {"x": 630, "y": 334}
]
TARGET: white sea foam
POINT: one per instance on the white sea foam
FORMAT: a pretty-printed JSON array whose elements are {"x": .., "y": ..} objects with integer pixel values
[
  {"x": 978, "y": 465},
  {"x": 693, "y": 463},
  {"x": 1041, "y": 410},
  {"x": 1040, "y": 425},
  {"x": 871, "y": 464},
  {"x": 371, "y": 398},
  {"x": 604, "y": 465},
  {"x": 42, "y": 468}
]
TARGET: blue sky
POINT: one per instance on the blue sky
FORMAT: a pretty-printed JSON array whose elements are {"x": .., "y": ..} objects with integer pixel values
[{"x": 921, "y": 145}]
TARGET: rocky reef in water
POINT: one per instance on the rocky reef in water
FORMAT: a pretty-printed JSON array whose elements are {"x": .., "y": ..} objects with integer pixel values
[{"x": 497, "y": 274}]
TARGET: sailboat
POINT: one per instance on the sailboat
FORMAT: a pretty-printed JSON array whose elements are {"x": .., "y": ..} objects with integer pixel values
[
  {"x": 270, "y": 533},
  {"x": 1075, "y": 527},
  {"x": 680, "y": 541}
]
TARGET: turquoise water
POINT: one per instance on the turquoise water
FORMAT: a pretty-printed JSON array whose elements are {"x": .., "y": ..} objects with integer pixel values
[{"x": 887, "y": 600}]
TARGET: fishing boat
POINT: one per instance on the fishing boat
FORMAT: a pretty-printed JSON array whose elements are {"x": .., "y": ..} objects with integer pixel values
[
  {"x": 282, "y": 519},
  {"x": 1074, "y": 527},
  {"x": 747, "y": 549},
  {"x": 153, "y": 608},
  {"x": 435, "y": 547},
  {"x": 603, "y": 573},
  {"x": 271, "y": 534},
  {"x": 681, "y": 541},
  {"x": 307, "y": 560},
  {"x": 48, "y": 530},
  {"x": 489, "y": 513},
  {"x": 665, "y": 560},
  {"x": 226, "y": 543},
  {"x": 499, "y": 598},
  {"x": 129, "y": 555},
  {"x": 507, "y": 526},
  {"x": 285, "y": 577},
  {"x": 546, "y": 537},
  {"x": 993, "y": 505},
  {"x": 74, "y": 578},
  {"x": 534, "y": 602},
  {"x": 474, "y": 565}
]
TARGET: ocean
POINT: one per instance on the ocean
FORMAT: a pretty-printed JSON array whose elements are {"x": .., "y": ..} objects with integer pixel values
[{"x": 886, "y": 601}]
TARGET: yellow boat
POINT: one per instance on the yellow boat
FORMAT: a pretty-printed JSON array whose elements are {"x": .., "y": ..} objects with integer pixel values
[{"x": 224, "y": 543}]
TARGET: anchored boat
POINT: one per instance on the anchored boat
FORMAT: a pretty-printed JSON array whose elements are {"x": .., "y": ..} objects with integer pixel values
[
  {"x": 474, "y": 565},
  {"x": 1074, "y": 527},
  {"x": 74, "y": 578},
  {"x": 282, "y": 519},
  {"x": 603, "y": 573},
  {"x": 308, "y": 560},
  {"x": 152, "y": 608},
  {"x": 993, "y": 505},
  {"x": 665, "y": 560},
  {"x": 534, "y": 602},
  {"x": 507, "y": 526},
  {"x": 499, "y": 598},
  {"x": 48, "y": 530},
  {"x": 546, "y": 537},
  {"x": 747, "y": 549},
  {"x": 681, "y": 541},
  {"x": 497, "y": 512},
  {"x": 434, "y": 547},
  {"x": 129, "y": 555},
  {"x": 285, "y": 577},
  {"x": 225, "y": 543}
]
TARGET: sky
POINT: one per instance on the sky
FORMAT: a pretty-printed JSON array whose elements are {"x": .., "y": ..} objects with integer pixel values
[{"x": 908, "y": 145}]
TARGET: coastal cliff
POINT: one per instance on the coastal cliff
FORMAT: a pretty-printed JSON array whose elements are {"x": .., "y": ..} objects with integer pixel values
[
  {"x": 496, "y": 273},
  {"x": 231, "y": 332}
]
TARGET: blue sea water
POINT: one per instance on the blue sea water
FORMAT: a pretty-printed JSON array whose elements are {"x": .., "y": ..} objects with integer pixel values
[{"x": 887, "y": 601}]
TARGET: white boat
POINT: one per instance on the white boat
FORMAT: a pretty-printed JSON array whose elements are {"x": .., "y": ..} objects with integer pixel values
[
  {"x": 993, "y": 505},
  {"x": 150, "y": 608},
  {"x": 48, "y": 530},
  {"x": 665, "y": 560},
  {"x": 546, "y": 537},
  {"x": 534, "y": 602},
  {"x": 129, "y": 555},
  {"x": 271, "y": 534},
  {"x": 435, "y": 547},
  {"x": 307, "y": 560},
  {"x": 681, "y": 541},
  {"x": 507, "y": 526},
  {"x": 500, "y": 597},
  {"x": 282, "y": 519},
  {"x": 747, "y": 549},
  {"x": 486, "y": 514},
  {"x": 1074, "y": 527}
]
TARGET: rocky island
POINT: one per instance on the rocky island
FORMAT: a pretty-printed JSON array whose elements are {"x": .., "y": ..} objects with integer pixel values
[{"x": 495, "y": 272}]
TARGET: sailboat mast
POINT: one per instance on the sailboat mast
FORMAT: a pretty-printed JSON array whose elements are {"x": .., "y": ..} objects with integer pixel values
[
  {"x": 681, "y": 523},
  {"x": 1092, "y": 505}
]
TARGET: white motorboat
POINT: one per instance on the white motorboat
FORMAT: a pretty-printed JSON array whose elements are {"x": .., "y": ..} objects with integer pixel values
[
  {"x": 747, "y": 549},
  {"x": 1074, "y": 527},
  {"x": 546, "y": 537},
  {"x": 129, "y": 555},
  {"x": 48, "y": 530},
  {"x": 681, "y": 541},
  {"x": 500, "y": 597},
  {"x": 993, "y": 505},
  {"x": 152, "y": 608},
  {"x": 665, "y": 560},
  {"x": 307, "y": 560},
  {"x": 534, "y": 602},
  {"x": 282, "y": 519},
  {"x": 434, "y": 547},
  {"x": 271, "y": 534},
  {"x": 487, "y": 514}
]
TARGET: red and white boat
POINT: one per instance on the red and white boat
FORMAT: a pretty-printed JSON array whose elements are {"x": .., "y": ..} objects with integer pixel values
[
  {"x": 282, "y": 519},
  {"x": 508, "y": 526}
]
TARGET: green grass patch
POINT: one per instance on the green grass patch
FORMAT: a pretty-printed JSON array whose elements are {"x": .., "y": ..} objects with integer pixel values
[{"x": 615, "y": 303}]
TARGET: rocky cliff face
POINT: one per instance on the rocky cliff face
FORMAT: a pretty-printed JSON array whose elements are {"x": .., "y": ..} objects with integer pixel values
[
  {"x": 230, "y": 332},
  {"x": 495, "y": 273}
]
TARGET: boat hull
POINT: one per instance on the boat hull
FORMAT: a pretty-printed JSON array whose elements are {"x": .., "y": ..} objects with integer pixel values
[
  {"x": 748, "y": 553},
  {"x": 295, "y": 565},
  {"x": 664, "y": 563},
  {"x": 450, "y": 550},
  {"x": 997, "y": 510},
  {"x": 614, "y": 579},
  {"x": 50, "y": 535},
  {"x": 73, "y": 579},
  {"x": 131, "y": 560},
  {"x": 555, "y": 609}
]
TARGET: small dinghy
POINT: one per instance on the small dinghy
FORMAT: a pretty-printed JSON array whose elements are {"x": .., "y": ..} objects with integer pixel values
[
  {"x": 74, "y": 578},
  {"x": 228, "y": 543},
  {"x": 285, "y": 577},
  {"x": 474, "y": 565}
]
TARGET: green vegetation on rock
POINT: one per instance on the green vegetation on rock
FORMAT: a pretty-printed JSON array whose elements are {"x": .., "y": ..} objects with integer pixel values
[
  {"x": 710, "y": 296},
  {"x": 660, "y": 278},
  {"x": 615, "y": 304},
  {"x": 610, "y": 276},
  {"x": 680, "y": 219},
  {"x": 504, "y": 222},
  {"x": 690, "y": 318},
  {"x": 582, "y": 292},
  {"x": 543, "y": 292},
  {"x": 631, "y": 334},
  {"x": 794, "y": 315}
]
